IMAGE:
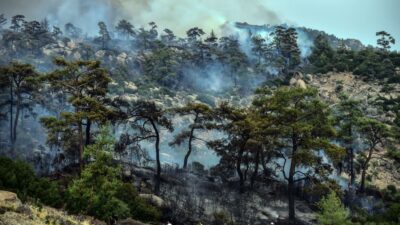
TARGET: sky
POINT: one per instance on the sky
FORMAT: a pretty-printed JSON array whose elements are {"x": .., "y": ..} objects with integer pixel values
[{"x": 359, "y": 19}]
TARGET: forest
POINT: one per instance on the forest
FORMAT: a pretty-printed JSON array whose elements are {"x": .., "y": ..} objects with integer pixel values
[{"x": 139, "y": 124}]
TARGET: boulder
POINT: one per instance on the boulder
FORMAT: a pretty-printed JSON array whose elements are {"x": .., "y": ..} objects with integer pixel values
[
  {"x": 100, "y": 54},
  {"x": 301, "y": 84},
  {"x": 9, "y": 201},
  {"x": 309, "y": 78},
  {"x": 130, "y": 221},
  {"x": 153, "y": 199},
  {"x": 130, "y": 87},
  {"x": 122, "y": 58},
  {"x": 292, "y": 81}
]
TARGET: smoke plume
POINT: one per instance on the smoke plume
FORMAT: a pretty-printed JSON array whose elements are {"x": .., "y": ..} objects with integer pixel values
[{"x": 178, "y": 15}]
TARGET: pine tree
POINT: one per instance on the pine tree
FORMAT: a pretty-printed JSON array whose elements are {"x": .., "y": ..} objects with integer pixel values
[
  {"x": 21, "y": 83},
  {"x": 322, "y": 56},
  {"x": 374, "y": 134},
  {"x": 202, "y": 114},
  {"x": 146, "y": 118},
  {"x": 17, "y": 22},
  {"x": 104, "y": 34},
  {"x": 125, "y": 28},
  {"x": 285, "y": 41},
  {"x": 72, "y": 31},
  {"x": 3, "y": 20},
  {"x": 385, "y": 40},
  {"x": 304, "y": 127},
  {"x": 85, "y": 83},
  {"x": 332, "y": 211},
  {"x": 348, "y": 114}
]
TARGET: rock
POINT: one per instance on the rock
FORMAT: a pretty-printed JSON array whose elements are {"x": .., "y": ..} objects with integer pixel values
[
  {"x": 309, "y": 78},
  {"x": 77, "y": 55},
  {"x": 292, "y": 81},
  {"x": 153, "y": 199},
  {"x": 9, "y": 201},
  {"x": 71, "y": 44},
  {"x": 122, "y": 58},
  {"x": 130, "y": 221},
  {"x": 100, "y": 54},
  {"x": 130, "y": 97},
  {"x": 130, "y": 87},
  {"x": 301, "y": 84}
]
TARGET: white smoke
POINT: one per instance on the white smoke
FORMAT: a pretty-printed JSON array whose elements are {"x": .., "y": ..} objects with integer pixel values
[{"x": 178, "y": 15}]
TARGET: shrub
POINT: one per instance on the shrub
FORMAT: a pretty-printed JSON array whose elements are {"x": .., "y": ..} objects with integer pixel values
[
  {"x": 19, "y": 177},
  {"x": 332, "y": 211},
  {"x": 100, "y": 192}
]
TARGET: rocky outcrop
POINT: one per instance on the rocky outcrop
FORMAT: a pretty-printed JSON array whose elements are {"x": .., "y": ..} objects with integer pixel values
[{"x": 14, "y": 212}]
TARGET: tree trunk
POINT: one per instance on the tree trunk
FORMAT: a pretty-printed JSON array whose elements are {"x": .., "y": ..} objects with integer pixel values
[
  {"x": 292, "y": 216},
  {"x": 364, "y": 170},
  {"x": 255, "y": 173},
  {"x": 351, "y": 159},
  {"x": 157, "y": 145},
  {"x": 88, "y": 128},
  {"x": 291, "y": 197},
  {"x": 352, "y": 173},
  {"x": 17, "y": 111},
  {"x": 185, "y": 161},
  {"x": 11, "y": 114},
  {"x": 80, "y": 133},
  {"x": 239, "y": 171}
]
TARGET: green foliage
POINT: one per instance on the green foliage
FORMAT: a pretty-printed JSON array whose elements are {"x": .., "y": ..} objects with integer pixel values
[
  {"x": 332, "y": 211},
  {"x": 369, "y": 63},
  {"x": 18, "y": 176},
  {"x": 100, "y": 191},
  {"x": 139, "y": 208},
  {"x": 322, "y": 55}
]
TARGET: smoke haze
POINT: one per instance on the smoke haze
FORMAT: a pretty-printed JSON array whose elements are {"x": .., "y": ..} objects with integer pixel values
[{"x": 177, "y": 15}]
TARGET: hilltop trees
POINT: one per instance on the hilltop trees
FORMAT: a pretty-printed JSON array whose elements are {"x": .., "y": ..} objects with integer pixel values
[
  {"x": 3, "y": 20},
  {"x": 19, "y": 82},
  {"x": 163, "y": 66},
  {"x": 85, "y": 85},
  {"x": 233, "y": 57},
  {"x": 285, "y": 41},
  {"x": 125, "y": 28},
  {"x": 322, "y": 56},
  {"x": 104, "y": 34},
  {"x": 72, "y": 31},
  {"x": 201, "y": 115},
  {"x": 262, "y": 51},
  {"x": 385, "y": 40},
  {"x": 17, "y": 22}
]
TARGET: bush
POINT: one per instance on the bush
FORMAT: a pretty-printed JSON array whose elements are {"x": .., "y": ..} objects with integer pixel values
[
  {"x": 100, "y": 192},
  {"x": 139, "y": 208},
  {"x": 19, "y": 177},
  {"x": 332, "y": 211}
]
